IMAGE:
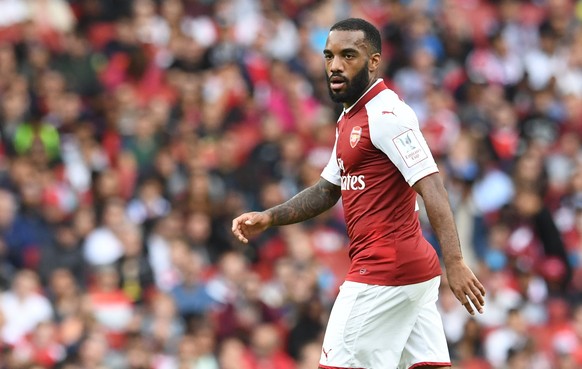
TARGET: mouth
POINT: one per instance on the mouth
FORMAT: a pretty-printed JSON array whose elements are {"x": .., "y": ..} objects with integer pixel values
[{"x": 337, "y": 82}]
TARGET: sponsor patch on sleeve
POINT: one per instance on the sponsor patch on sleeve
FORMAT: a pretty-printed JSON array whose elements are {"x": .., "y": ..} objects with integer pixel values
[{"x": 409, "y": 148}]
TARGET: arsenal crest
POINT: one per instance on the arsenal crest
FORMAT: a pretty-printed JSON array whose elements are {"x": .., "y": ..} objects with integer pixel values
[{"x": 355, "y": 136}]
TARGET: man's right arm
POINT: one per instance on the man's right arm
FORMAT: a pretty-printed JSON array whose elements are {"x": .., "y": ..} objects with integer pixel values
[{"x": 305, "y": 205}]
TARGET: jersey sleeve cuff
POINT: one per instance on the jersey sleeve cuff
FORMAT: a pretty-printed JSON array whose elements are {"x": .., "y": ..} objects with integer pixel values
[
  {"x": 331, "y": 178},
  {"x": 420, "y": 175}
]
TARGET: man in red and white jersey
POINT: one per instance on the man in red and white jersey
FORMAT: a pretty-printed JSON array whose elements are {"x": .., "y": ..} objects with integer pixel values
[{"x": 385, "y": 315}]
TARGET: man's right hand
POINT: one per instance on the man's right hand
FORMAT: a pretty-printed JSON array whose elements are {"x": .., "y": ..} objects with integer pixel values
[{"x": 250, "y": 224}]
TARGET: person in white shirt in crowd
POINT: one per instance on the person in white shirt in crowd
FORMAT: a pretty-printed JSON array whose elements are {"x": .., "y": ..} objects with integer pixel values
[{"x": 23, "y": 307}]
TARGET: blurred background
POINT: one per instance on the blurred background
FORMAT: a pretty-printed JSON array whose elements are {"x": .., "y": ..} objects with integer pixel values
[{"x": 132, "y": 132}]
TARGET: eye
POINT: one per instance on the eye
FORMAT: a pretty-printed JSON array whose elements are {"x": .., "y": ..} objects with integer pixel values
[
  {"x": 350, "y": 56},
  {"x": 328, "y": 56}
]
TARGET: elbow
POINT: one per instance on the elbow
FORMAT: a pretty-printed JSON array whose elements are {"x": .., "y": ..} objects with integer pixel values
[{"x": 431, "y": 187}]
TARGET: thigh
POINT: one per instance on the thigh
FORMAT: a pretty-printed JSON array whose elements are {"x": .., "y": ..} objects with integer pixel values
[
  {"x": 426, "y": 346},
  {"x": 368, "y": 327}
]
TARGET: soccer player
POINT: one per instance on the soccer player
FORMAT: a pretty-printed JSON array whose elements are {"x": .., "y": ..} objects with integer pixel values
[{"x": 385, "y": 314}]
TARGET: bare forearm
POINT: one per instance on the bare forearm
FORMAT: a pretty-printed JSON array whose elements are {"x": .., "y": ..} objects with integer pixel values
[
  {"x": 305, "y": 205},
  {"x": 442, "y": 221},
  {"x": 441, "y": 218}
]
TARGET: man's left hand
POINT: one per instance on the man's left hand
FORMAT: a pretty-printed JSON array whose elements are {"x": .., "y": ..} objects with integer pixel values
[{"x": 466, "y": 287}]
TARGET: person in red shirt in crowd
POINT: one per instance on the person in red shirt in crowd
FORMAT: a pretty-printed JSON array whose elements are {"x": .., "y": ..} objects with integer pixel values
[
  {"x": 379, "y": 164},
  {"x": 41, "y": 347},
  {"x": 110, "y": 306},
  {"x": 265, "y": 350}
]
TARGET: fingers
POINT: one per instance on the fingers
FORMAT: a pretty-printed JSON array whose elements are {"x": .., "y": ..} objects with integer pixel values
[
  {"x": 466, "y": 288},
  {"x": 466, "y": 302},
  {"x": 480, "y": 287},
  {"x": 477, "y": 303},
  {"x": 237, "y": 227},
  {"x": 473, "y": 296},
  {"x": 469, "y": 308},
  {"x": 247, "y": 225},
  {"x": 479, "y": 293}
]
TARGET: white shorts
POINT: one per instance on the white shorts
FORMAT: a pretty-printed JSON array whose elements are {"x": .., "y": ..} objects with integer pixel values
[{"x": 380, "y": 327}]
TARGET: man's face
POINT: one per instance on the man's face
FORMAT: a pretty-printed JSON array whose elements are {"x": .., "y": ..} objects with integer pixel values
[{"x": 347, "y": 65}]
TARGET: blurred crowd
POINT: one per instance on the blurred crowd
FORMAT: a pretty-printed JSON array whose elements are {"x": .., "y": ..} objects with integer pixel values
[{"x": 133, "y": 131}]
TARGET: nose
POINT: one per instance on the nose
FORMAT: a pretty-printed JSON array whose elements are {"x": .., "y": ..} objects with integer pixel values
[{"x": 335, "y": 65}]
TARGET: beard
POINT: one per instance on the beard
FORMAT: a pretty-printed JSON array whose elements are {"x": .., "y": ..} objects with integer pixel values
[{"x": 354, "y": 88}]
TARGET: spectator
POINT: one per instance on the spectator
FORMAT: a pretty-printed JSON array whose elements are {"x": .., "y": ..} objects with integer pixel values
[
  {"x": 64, "y": 291},
  {"x": 14, "y": 109},
  {"x": 205, "y": 339},
  {"x": 225, "y": 283},
  {"x": 198, "y": 231},
  {"x": 93, "y": 352},
  {"x": 265, "y": 350},
  {"x": 7, "y": 214},
  {"x": 144, "y": 143},
  {"x": 188, "y": 354},
  {"x": 138, "y": 354},
  {"x": 495, "y": 64},
  {"x": 65, "y": 252},
  {"x": 240, "y": 316},
  {"x": 41, "y": 347},
  {"x": 37, "y": 138},
  {"x": 149, "y": 205},
  {"x": 469, "y": 349},
  {"x": 414, "y": 82},
  {"x": 192, "y": 294},
  {"x": 505, "y": 340},
  {"x": 159, "y": 251},
  {"x": 111, "y": 308},
  {"x": 162, "y": 324},
  {"x": 309, "y": 356},
  {"x": 30, "y": 231},
  {"x": 23, "y": 307},
  {"x": 231, "y": 354},
  {"x": 136, "y": 276},
  {"x": 536, "y": 242},
  {"x": 103, "y": 246},
  {"x": 543, "y": 65}
]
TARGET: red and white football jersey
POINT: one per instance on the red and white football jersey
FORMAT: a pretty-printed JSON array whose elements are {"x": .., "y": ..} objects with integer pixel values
[{"x": 378, "y": 155}]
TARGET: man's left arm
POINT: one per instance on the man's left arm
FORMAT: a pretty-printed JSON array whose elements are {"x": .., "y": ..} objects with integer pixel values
[{"x": 461, "y": 279}]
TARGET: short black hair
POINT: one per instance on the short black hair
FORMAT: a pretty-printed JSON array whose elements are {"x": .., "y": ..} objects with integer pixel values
[{"x": 371, "y": 33}]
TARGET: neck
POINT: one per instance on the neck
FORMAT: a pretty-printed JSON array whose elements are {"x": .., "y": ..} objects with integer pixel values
[{"x": 373, "y": 80}]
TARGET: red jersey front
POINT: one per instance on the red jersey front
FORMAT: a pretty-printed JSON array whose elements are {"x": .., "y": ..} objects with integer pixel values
[{"x": 378, "y": 155}]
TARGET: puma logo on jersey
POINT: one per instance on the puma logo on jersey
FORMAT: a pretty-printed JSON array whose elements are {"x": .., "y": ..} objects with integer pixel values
[
  {"x": 386, "y": 112},
  {"x": 326, "y": 352}
]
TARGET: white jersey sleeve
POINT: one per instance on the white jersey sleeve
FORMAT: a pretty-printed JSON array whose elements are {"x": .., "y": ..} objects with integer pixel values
[
  {"x": 331, "y": 172},
  {"x": 395, "y": 131}
]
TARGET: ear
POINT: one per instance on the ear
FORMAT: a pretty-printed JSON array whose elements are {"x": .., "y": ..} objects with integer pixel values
[{"x": 374, "y": 62}]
